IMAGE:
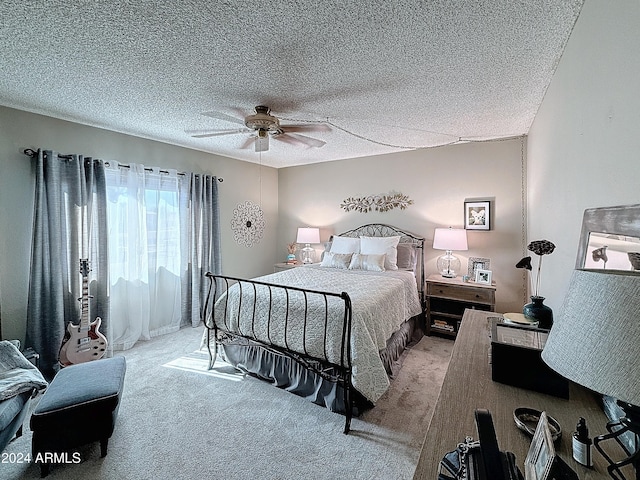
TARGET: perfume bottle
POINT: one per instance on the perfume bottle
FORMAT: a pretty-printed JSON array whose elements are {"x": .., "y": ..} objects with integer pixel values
[{"x": 582, "y": 444}]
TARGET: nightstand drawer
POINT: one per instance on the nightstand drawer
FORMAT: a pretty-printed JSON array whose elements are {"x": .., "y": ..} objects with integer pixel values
[{"x": 463, "y": 293}]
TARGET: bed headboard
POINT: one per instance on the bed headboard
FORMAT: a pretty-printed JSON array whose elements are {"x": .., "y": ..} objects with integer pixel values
[{"x": 406, "y": 238}]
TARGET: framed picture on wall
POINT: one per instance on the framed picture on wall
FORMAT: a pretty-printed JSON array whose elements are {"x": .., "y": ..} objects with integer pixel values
[{"x": 477, "y": 215}]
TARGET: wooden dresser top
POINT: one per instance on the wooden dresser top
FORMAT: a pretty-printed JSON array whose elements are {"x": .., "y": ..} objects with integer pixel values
[{"x": 468, "y": 386}]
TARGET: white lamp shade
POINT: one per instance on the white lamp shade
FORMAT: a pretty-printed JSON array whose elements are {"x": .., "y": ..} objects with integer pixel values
[
  {"x": 450, "y": 239},
  {"x": 308, "y": 235},
  {"x": 595, "y": 341}
]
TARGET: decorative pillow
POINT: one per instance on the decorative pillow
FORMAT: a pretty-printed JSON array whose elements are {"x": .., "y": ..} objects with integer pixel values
[
  {"x": 373, "y": 262},
  {"x": 407, "y": 256},
  {"x": 336, "y": 260},
  {"x": 382, "y": 245},
  {"x": 327, "y": 249},
  {"x": 345, "y": 244}
]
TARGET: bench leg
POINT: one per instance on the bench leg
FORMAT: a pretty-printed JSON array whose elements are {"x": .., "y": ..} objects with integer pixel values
[{"x": 103, "y": 447}]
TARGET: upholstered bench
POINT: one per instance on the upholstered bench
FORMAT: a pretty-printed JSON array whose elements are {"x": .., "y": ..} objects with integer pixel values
[{"x": 79, "y": 407}]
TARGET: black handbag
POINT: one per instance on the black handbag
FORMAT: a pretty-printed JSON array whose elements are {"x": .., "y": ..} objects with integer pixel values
[{"x": 481, "y": 459}]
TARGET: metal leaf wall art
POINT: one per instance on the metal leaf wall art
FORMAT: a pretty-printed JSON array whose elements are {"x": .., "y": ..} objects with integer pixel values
[
  {"x": 379, "y": 203},
  {"x": 248, "y": 224}
]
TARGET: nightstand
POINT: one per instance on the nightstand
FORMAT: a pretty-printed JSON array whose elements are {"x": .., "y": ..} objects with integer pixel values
[
  {"x": 447, "y": 299},
  {"x": 278, "y": 267}
]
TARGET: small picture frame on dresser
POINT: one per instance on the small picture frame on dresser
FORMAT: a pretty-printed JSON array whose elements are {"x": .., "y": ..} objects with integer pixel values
[
  {"x": 541, "y": 453},
  {"x": 476, "y": 263},
  {"x": 541, "y": 462},
  {"x": 483, "y": 276}
]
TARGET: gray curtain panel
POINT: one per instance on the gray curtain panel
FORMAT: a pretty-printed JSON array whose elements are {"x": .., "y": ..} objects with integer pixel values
[
  {"x": 204, "y": 250},
  {"x": 70, "y": 224}
]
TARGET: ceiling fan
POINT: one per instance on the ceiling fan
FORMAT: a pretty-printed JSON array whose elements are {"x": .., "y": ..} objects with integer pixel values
[{"x": 262, "y": 126}]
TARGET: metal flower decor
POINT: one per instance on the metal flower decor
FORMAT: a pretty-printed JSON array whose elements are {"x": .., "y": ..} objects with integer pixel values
[
  {"x": 379, "y": 203},
  {"x": 540, "y": 248},
  {"x": 248, "y": 224}
]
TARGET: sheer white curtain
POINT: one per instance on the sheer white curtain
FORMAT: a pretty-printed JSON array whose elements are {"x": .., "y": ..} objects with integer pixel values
[{"x": 145, "y": 210}]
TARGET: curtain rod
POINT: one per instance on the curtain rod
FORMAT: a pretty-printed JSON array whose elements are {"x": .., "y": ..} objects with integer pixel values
[{"x": 32, "y": 153}]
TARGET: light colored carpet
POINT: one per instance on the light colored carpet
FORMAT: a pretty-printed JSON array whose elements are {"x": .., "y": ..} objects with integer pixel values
[{"x": 177, "y": 421}]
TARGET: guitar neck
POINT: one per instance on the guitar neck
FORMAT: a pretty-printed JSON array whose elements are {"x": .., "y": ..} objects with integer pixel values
[{"x": 84, "y": 300}]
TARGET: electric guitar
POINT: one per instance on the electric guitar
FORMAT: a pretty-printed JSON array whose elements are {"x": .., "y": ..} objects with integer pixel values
[{"x": 83, "y": 342}]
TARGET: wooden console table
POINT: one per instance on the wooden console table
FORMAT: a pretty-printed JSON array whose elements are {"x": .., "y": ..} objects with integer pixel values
[{"x": 468, "y": 385}]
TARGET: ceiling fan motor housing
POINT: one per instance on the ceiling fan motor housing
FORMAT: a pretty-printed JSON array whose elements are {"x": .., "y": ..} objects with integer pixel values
[{"x": 263, "y": 121}]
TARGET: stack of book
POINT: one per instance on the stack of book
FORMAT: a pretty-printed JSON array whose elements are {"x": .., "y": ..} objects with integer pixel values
[{"x": 442, "y": 325}]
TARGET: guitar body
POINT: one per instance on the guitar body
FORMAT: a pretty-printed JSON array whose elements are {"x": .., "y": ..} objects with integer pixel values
[
  {"x": 83, "y": 345},
  {"x": 83, "y": 342}
]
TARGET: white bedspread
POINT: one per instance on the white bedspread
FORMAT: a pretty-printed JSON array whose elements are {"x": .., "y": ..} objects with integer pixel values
[{"x": 381, "y": 302}]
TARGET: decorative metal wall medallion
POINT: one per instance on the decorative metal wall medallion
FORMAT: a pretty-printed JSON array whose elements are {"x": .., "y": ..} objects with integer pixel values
[
  {"x": 379, "y": 203},
  {"x": 248, "y": 224}
]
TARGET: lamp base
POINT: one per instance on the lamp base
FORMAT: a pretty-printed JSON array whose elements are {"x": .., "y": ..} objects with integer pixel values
[
  {"x": 308, "y": 254},
  {"x": 448, "y": 265},
  {"x": 629, "y": 423}
]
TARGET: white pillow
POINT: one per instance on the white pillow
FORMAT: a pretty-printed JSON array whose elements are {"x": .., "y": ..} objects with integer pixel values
[
  {"x": 380, "y": 245},
  {"x": 373, "y": 263},
  {"x": 345, "y": 244},
  {"x": 336, "y": 260}
]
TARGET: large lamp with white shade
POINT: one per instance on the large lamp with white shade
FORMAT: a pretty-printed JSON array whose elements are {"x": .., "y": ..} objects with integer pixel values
[
  {"x": 450, "y": 240},
  {"x": 308, "y": 235},
  {"x": 595, "y": 342}
]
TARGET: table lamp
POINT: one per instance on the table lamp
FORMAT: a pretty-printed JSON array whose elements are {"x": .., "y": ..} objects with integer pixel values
[
  {"x": 595, "y": 342},
  {"x": 308, "y": 235},
  {"x": 449, "y": 239}
]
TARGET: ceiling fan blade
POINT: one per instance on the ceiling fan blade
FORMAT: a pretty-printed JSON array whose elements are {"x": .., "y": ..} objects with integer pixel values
[
  {"x": 307, "y": 127},
  {"x": 223, "y": 116},
  {"x": 237, "y": 112},
  {"x": 247, "y": 143},
  {"x": 262, "y": 143},
  {"x": 284, "y": 138},
  {"x": 303, "y": 139},
  {"x": 206, "y": 134}
]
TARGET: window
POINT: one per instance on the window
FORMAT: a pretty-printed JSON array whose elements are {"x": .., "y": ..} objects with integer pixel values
[{"x": 146, "y": 257}]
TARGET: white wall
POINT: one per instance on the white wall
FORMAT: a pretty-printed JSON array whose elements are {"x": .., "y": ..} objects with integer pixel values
[
  {"x": 439, "y": 180},
  {"x": 584, "y": 143},
  {"x": 20, "y": 130}
]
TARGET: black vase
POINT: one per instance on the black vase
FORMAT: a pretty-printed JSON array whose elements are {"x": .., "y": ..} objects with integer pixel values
[{"x": 539, "y": 312}]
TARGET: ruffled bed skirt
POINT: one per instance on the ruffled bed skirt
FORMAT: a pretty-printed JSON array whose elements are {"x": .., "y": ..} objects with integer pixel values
[{"x": 286, "y": 373}]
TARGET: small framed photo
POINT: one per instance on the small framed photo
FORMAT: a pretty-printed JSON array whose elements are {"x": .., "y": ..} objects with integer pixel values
[
  {"x": 476, "y": 263},
  {"x": 541, "y": 455},
  {"x": 477, "y": 215},
  {"x": 483, "y": 276}
]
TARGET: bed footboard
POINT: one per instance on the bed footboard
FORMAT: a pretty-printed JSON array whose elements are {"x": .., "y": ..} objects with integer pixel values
[{"x": 240, "y": 311}]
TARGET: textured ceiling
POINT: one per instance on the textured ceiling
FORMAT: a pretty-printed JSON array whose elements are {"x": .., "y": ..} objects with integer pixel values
[{"x": 386, "y": 76}]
